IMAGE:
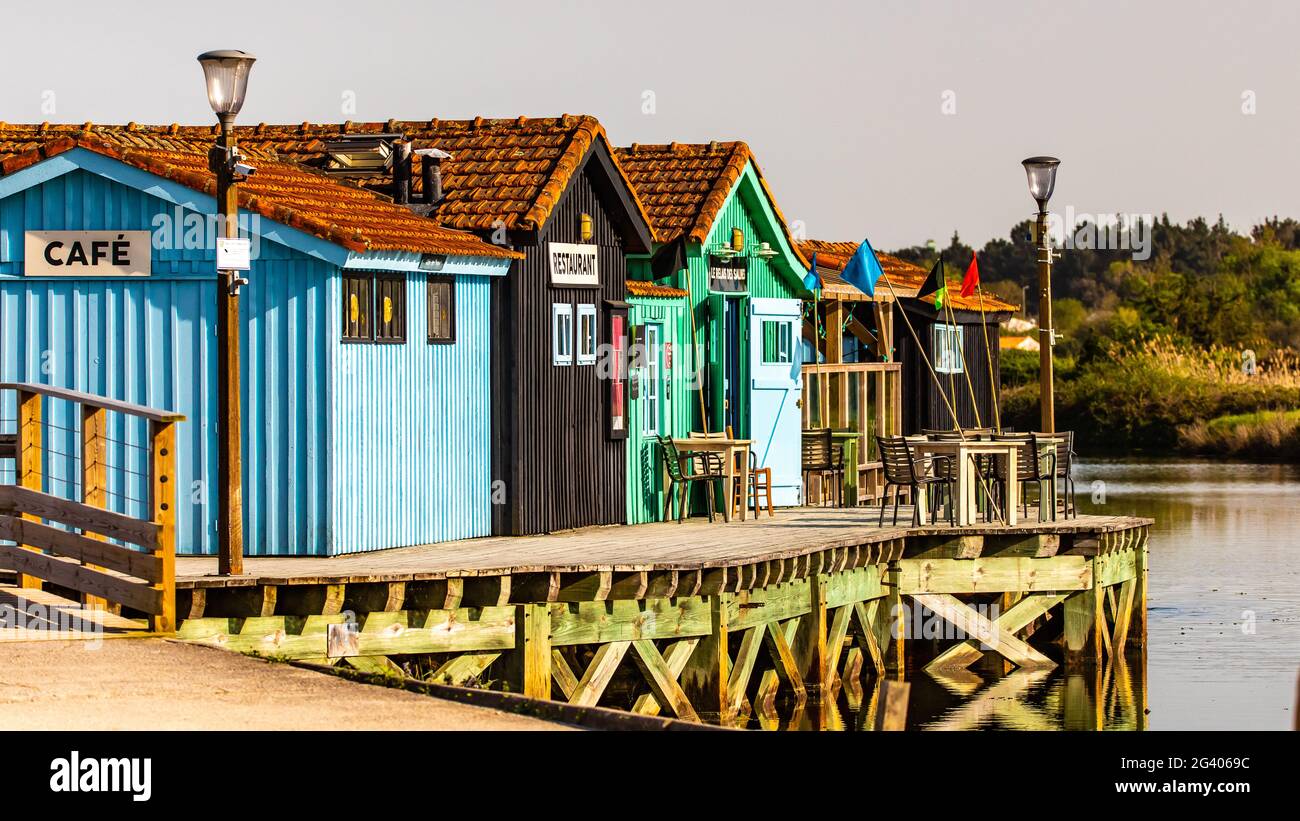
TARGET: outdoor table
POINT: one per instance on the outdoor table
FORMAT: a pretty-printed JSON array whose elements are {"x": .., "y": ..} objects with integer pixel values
[
  {"x": 730, "y": 450},
  {"x": 964, "y": 452}
]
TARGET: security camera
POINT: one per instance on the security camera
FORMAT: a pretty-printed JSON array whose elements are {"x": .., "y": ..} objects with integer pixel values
[{"x": 241, "y": 169}]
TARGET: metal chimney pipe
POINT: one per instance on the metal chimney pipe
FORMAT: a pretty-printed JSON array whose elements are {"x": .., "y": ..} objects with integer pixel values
[{"x": 401, "y": 172}]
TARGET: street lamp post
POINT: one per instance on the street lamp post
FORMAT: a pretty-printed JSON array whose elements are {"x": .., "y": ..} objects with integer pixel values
[
  {"x": 226, "y": 73},
  {"x": 1042, "y": 179}
]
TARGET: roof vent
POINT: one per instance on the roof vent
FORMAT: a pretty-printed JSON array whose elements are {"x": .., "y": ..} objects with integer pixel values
[{"x": 431, "y": 173}]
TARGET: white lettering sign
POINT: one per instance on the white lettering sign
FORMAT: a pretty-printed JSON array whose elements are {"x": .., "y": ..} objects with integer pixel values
[
  {"x": 573, "y": 264},
  {"x": 87, "y": 254}
]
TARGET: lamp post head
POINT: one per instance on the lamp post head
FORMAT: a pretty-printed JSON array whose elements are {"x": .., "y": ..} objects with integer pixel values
[
  {"x": 1041, "y": 172},
  {"x": 226, "y": 74}
]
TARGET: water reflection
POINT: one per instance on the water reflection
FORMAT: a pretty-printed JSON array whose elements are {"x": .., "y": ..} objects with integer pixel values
[{"x": 1223, "y": 611}]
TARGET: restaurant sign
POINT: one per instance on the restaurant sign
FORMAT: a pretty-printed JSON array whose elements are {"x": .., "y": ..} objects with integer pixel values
[
  {"x": 573, "y": 264},
  {"x": 729, "y": 275},
  {"x": 87, "y": 253}
]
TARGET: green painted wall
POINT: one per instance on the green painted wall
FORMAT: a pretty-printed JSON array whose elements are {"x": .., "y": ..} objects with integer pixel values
[
  {"x": 781, "y": 276},
  {"x": 645, "y": 500}
]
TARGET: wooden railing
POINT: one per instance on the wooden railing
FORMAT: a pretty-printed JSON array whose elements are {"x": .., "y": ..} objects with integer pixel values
[
  {"x": 66, "y": 541},
  {"x": 862, "y": 397}
]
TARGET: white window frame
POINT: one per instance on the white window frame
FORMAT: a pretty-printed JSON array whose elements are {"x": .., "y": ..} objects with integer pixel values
[
  {"x": 561, "y": 333},
  {"x": 653, "y": 393},
  {"x": 591, "y": 338},
  {"x": 949, "y": 349},
  {"x": 784, "y": 342}
]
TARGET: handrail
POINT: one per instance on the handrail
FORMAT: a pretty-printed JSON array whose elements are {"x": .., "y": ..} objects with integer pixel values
[
  {"x": 66, "y": 541},
  {"x": 851, "y": 367},
  {"x": 90, "y": 400}
]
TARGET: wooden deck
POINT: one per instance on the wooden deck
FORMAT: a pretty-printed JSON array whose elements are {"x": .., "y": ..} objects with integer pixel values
[
  {"x": 698, "y": 620},
  {"x": 693, "y": 545},
  {"x": 40, "y": 615}
]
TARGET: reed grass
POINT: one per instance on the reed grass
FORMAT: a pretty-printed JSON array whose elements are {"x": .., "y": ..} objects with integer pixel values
[{"x": 1144, "y": 395}]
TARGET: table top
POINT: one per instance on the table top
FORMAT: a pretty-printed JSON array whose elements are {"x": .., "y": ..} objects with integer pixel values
[
  {"x": 714, "y": 441},
  {"x": 969, "y": 444}
]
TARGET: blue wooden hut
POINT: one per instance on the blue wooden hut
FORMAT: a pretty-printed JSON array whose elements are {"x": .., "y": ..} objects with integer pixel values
[{"x": 364, "y": 330}]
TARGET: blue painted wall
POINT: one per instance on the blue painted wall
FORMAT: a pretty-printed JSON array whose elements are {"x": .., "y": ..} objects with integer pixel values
[
  {"x": 411, "y": 427},
  {"x": 347, "y": 447}
]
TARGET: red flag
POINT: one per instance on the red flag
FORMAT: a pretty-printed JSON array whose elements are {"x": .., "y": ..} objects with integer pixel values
[{"x": 972, "y": 277}]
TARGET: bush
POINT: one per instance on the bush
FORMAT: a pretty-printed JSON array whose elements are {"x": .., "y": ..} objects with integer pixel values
[{"x": 1143, "y": 393}]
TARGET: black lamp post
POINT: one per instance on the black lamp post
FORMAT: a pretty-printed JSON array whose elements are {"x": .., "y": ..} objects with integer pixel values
[
  {"x": 1041, "y": 172},
  {"x": 226, "y": 73}
]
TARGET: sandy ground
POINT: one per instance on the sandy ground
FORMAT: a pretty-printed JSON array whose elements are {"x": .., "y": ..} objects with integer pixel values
[{"x": 148, "y": 684}]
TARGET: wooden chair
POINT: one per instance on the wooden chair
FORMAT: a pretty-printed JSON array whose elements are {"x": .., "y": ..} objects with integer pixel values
[
  {"x": 819, "y": 457},
  {"x": 760, "y": 484},
  {"x": 760, "y": 480},
  {"x": 902, "y": 468},
  {"x": 685, "y": 469}
]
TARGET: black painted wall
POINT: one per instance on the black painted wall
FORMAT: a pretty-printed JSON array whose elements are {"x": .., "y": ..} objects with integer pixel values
[{"x": 550, "y": 440}]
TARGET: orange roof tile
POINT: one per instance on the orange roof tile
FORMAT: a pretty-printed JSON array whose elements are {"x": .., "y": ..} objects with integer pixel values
[
  {"x": 685, "y": 185},
  {"x": 329, "y": 208},
  {"x": 507, "y": 170},
  {"x": 637, "y": 287},
  {"x": 905, "y": 277}
]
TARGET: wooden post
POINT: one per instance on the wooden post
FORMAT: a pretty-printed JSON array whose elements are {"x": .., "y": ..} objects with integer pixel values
[
  {"x": 230, "y": 459},
  {"x": 891, "y": 710},
  {"x": 530, "y": 670},
  {"x": 93, "y": 477},
  {"x": 1085, "y": 619},
  {"x": 891, "y": 623},
  {"x": 836, "y": 413},
  {"x": 162, "y": 506},
  {"x": 29, "y": 462},
  {"x": 810, "y": 648},
  {"x": 705, "y": 676}
]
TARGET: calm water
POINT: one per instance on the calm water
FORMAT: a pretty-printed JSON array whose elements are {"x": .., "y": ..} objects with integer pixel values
[
  {"x": 1224, "y": 588},
  {"x": 1223, "y": 617}
]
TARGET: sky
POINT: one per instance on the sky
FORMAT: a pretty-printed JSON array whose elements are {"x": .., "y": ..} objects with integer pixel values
[{"x": 897, "y": 121}]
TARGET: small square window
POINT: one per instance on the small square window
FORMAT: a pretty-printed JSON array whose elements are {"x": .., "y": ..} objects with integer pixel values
[
  {"x": 778, "y": 342},
  {"x": 442, "y": 309},
  {"x": 948, "y": 349},
  {"x": 561, "y": 333},
  {"x": 356, "y": 308},
  {"x": 390, "y": 309},
  {"x": 586, "y": 334}
]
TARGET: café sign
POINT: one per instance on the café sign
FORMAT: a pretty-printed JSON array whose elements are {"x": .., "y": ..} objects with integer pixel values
[
  {"x": 573, "y": 264},
  {"x": 87, "y": 253}
]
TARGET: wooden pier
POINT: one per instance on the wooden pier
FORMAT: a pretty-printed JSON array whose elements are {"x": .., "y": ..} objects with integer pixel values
[{"x": 697, "y": 621}]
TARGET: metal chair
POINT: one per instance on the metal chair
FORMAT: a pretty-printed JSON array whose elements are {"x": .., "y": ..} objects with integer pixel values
[
  {"x": 819, "y": 457},
  {"x": 703, "y": 467},
  {"x": 903, "y": 468},
  {"x": 1029, "y": 469},
  {"x": 1064, "y": 470}
]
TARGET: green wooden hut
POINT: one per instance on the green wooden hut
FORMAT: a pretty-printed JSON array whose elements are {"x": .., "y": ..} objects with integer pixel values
[{"x": 720, "y": 328}]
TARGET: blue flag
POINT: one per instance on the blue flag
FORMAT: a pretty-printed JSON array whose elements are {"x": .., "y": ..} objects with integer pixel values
[
  {"x": 811, "y": 280},
  {"x": 863, "y": 270}
]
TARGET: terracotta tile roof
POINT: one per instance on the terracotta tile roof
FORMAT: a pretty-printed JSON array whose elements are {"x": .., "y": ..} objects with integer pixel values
[
  {"x": 685, "y": 185},
  {"x": 329, "y": 208},
  {"x": 637, "y": 287},
  {"x": 512, "y": 170},
  {"x": 905, "y": 277}
]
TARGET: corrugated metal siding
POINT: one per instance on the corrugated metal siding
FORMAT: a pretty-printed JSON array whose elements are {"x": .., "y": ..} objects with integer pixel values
[
  {"x": 923, "y": 401},
  {"x": 148, "y": 341},
  {"x": 412, "y": 427},
  {"x": 645, "y": 502},
  {"x": 766, "y": 277},
  {"x": 561, "y": 469}
]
